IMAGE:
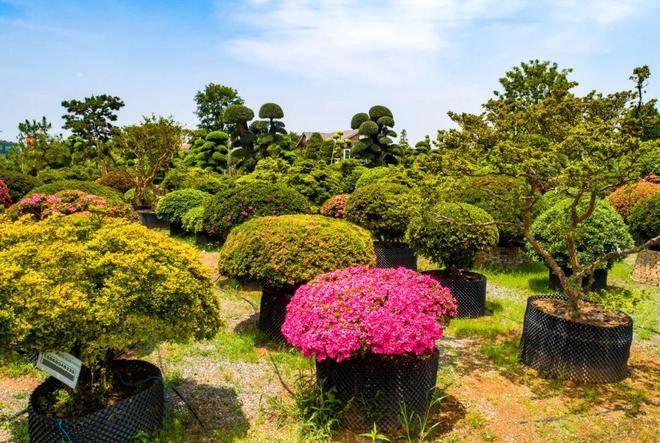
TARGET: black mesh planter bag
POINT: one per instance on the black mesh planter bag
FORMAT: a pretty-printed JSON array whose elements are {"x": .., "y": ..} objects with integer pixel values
[
  {"x": 600, "y": 279},
  {"x": 150, "y": 220},
  {"x": 375, "y": 388},
  {"x": 395, "y": 257},
  {"x": 469, "y": 292},
  {"x": 561, "y": 348},
  {"x": 273, "y": 310},
  {"x": 176, "y": 230},
  {"x": 120, "y": 422}
]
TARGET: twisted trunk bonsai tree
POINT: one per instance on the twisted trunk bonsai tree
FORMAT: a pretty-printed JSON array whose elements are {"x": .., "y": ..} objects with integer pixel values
[{"x": 538, "y": 131}]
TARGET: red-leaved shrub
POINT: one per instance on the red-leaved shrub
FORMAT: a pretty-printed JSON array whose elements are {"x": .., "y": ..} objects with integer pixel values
[
  {"x": 626, "y": 197},
  {"x": 334, "y": 206}
]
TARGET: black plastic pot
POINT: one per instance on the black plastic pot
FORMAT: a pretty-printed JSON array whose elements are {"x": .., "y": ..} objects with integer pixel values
[
  {"x": 562, "y": 348},
  {"x": 272, "y": 311},
  {"x": 376, "y": 388},
  {"x": 600, "y": 279},
  {"x": 176, "y": 229},
  {"x": 395, "y": 257},
  {"x": 469, "y": 291},
  {"x": 149, "y": 219},
  {"x": 120, "y": 422},
  {"x": 203, "y": 238}
]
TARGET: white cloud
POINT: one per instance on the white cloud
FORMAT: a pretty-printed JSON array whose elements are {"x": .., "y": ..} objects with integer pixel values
[{"x": 602, "y": 12}]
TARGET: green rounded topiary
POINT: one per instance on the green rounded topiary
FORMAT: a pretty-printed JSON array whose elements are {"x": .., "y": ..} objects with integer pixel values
[
  {"x": 358, "y": 119},
  {"x": 18, "y": 183},
  {"x": 235, "y": 206},
  {"x": 384, "y": 209},
  {"x": 368, "y": 128},
  {"x": 644, "y": 220},
  {"x": 385, "y": 174},
  {"x": 193, "y": 220},
  {"x": 271, "y": 111},
  {"x": 218, "y": 137},
  {"x": 174, "y": 205},
  {"x": 107, "y": 286},
  {"x": 292, "y": 249},
  {"x": 378, "y": 111},
  {"x": 604, "y": 231},
  {"x": 78, "y": 185},
  {"x": 237, "y": 114},
  {"x": 452, "y": 234}
]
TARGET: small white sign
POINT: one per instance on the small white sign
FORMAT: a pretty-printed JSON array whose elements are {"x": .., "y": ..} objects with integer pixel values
[{"x": 64, "y": 367}]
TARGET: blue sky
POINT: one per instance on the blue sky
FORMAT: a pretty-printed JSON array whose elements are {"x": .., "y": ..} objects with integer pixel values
[{"x": 323, "y": 61}]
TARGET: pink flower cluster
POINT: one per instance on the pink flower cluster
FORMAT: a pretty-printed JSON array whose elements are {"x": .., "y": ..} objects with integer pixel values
[
  {"x": 360, "y": 309},
  {"x": 334, "y": 206},
  {"x": 5, "y": 198},
  {"x": 69, "y": 202}
]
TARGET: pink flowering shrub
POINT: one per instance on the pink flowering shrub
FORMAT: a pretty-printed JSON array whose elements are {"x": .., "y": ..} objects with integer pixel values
[
  {"x": 359, "y": 309},
  {"x": 65, "y": 203},
  {"x": 5, "y": 198},
  {"x": 334, "y": 206}
]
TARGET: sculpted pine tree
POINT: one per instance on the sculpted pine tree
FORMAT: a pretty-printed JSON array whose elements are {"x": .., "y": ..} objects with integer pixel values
[{"x": 375, "y": 144}]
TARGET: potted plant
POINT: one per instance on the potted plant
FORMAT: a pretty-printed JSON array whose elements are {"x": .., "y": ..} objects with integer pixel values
[
  {"x": 283, "y": 252},
  {"x": 193, "y": 222},
  {"x": 108, "y": 286},
  {"x": 150, "y": 146},
  {"x": 373, "y": 333},
  {"x": 240, "y": 203},
  {"x": 385, "y": 209},
  {"x": 604, "y": 231},
  {"x": 580, "y": 148},
  {"x": 452, "y": 234},
  {"x": 174, "y": 205}
]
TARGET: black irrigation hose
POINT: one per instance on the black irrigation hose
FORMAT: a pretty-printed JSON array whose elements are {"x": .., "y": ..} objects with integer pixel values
[{"x": 190, "y": 408}]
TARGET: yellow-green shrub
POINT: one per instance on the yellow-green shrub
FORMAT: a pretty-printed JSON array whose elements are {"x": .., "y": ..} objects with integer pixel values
[
  {"x": 79, "y": 282},
  {"x": 292, "y": 249}
]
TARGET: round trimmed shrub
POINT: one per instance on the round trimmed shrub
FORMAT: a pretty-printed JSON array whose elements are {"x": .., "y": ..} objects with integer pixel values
[
  {"x": 18, "y": 183},
  {"x": 604, "y": 231},
  {"x": 365, "y": 310},
  {"x": 452, "y": 234},
  {"x": 236, "y": 206},
  {"x": 118, "y": 180},
  {"x": 385, "y": 174},
  {"x": 5, "y": 198},
  {"x": 626, "y": 197},
  {"x": 334, "y": 206},
  {"x": 271, "y": 111},
  {"x": 384, "y": 209},
  {"x": 289, "y": 250},
  {"x": 108, "y": 285},
  {"x": 39, "y": 207},
  {"x": 644, "y": 220},
  {"x": 174, "y": 205},
  {"x": 196, "y": 178},
  {"x": 77, "y": 185},
  {"x": 193, "y": 220},
  {"x": 237, "y": 113}
]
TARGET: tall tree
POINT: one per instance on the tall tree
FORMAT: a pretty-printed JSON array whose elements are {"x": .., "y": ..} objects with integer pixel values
[
  {"x": 211, "y": 104},
  {"x": 91, "y": 119},
  {"x": 38, "y": 149}
]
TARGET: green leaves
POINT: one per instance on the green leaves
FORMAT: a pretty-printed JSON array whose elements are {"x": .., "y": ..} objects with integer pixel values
[{"x": 375, "y": 144}]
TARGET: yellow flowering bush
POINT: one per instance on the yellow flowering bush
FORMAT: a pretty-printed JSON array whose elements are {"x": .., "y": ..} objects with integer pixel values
[{"x": 89, "y": 285}]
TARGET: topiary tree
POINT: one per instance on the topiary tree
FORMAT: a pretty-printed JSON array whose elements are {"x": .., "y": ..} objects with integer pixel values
[
  {"x": 626, "y": 197},
  {"x": 18, "y": 183},
  {"x": 208, "y": 151},
  {"x": 375, "y": 144},
  {"x": 242, "y": 137},
  {"x": 94, "y": 188},
  {"x": 292, "y": 249},
  {"x": 603, "y": 232},
  {"x": 229, "y": 209},
  {"x": 314, "y": 180},
  {"x": 110, "y": 286},
  {"x": 193, "y": 220},
  {"x": 539, "y": 132},
  {"x": 174, "y": 205},
  {"x": 384, "y": 209},
  {"x": 452, "y": 234},
  {"x": 182, "y": 177},
  {"x": 644, "y": 220}
]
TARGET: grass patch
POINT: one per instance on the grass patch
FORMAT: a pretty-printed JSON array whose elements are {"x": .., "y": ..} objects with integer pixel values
[
  {"x": 507, "y": 315},
  {"x": 530, "y": 279}
]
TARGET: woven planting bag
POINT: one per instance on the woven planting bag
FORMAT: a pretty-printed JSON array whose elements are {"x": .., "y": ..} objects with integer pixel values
[
  {"x": 561, "y": 348},
  {"x": 272, "y": 311},
  {"x": 470, "y": 293},
  {"x": 376, "y": 388},
  {"x": 120, "y": 422},
  {"x": 395, "y": 257}
]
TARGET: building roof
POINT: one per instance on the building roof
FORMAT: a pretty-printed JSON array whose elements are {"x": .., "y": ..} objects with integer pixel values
[{"x": 348, "y": 133}]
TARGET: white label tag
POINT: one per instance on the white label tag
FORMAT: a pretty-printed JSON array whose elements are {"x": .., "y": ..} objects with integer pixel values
[{"x": 64, "y": 367}]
